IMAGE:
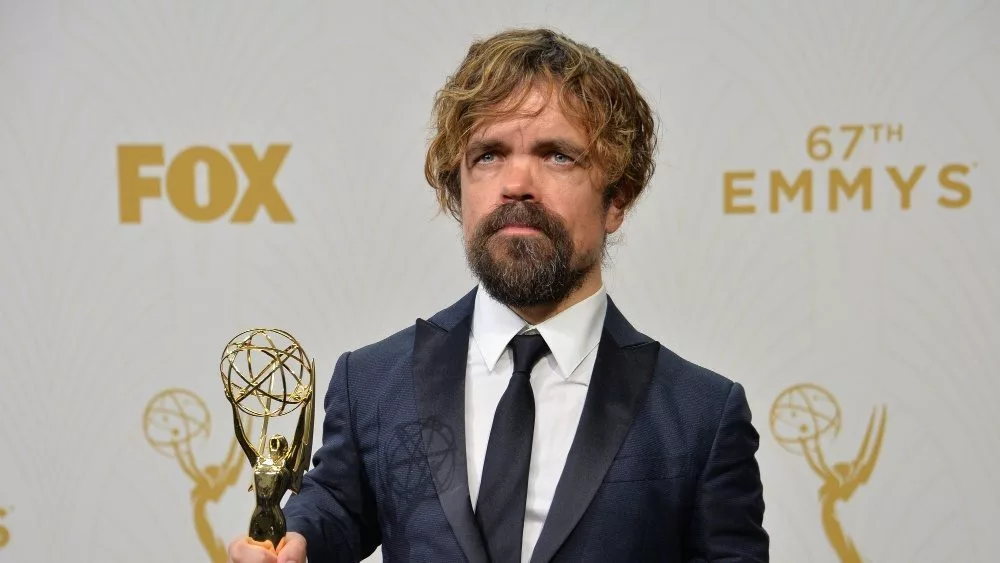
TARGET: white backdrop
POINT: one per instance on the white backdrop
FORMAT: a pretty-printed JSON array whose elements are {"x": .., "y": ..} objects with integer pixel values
[{"x": 895, "y": 305}]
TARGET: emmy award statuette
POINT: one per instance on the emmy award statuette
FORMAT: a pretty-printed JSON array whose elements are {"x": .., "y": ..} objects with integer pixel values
[{"x": 267, "y": 375}]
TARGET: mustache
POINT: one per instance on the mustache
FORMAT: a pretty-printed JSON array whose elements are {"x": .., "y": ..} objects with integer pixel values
[{"x": 519, "y": 213}]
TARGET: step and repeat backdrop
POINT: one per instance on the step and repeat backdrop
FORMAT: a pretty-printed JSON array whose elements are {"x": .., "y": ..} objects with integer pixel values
[{"x": 823, "y": 226}]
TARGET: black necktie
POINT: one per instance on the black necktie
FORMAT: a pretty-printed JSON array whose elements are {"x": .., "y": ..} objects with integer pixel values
[{"x": 503, "y": 489}]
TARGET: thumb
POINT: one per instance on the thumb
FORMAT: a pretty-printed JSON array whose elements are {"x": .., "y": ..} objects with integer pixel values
[
  {"x": 246, "y": 550},
  {"x": 292, "y": 548}
]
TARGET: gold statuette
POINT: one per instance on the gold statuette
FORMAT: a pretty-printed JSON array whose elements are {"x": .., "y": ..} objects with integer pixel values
[{"x": 267, "y": 375}]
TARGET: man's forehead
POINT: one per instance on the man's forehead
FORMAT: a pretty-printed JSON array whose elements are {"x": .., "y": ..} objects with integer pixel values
[{"x": 538, "y": 115}]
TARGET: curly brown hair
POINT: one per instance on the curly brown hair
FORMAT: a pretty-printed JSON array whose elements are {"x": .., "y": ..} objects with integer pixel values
[{"x": 499, "y": 72}]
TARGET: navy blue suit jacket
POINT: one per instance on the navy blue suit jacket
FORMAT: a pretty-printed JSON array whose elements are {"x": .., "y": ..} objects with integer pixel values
[{"x": 662, "y": 466}]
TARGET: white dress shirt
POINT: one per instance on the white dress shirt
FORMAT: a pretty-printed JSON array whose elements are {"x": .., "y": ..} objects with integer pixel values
[{"x": 559, "y": 382}]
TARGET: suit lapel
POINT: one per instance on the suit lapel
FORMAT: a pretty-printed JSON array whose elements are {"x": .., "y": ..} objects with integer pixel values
[
  {"x": 617, "y": 388},
  {"x": 439, "y": 365}
]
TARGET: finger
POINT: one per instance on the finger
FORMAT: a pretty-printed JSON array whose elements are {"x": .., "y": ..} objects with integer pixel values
[
  {"x": 265, "y": 545},
  {"x": 292, "y": 548},
  {"x": 245, "y": 550}
]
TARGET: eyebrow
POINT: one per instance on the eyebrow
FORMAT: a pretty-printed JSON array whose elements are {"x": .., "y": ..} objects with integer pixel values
[{"x": 483, "y": 146}]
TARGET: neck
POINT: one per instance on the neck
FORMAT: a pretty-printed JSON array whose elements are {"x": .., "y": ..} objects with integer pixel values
[{"x": 535, "y": 314}]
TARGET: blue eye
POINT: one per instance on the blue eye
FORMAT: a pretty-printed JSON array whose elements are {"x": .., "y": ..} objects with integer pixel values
[
  {"x": 486, "y": 158},
  {"x": 560, "y": 158}
]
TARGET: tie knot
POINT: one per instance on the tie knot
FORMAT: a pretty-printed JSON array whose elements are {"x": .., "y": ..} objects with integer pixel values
[{"x": 528, "y": 349}]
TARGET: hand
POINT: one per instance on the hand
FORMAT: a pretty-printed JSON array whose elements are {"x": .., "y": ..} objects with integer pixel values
[{"x": 291, "y": 549}]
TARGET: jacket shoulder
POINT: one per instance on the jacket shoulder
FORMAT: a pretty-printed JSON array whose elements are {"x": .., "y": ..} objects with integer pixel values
[
  {"x": 689, "y": 374},
  {"x": 399, "y": 345},
  {"x": 685, "y": 379},
  {"x": 385, "y": 353}
]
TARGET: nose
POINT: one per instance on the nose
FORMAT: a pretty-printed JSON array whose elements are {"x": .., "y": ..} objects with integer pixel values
[{"x": 518, "y": 182}]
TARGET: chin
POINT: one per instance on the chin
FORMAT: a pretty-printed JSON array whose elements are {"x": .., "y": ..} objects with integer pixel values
[{"x": 521, "y": 249}]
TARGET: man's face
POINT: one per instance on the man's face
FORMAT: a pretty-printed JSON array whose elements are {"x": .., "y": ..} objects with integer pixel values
[{"x": 534, "y": 218}]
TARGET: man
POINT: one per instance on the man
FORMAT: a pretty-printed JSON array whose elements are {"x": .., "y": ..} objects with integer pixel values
[{"x": 530, "y": 421}]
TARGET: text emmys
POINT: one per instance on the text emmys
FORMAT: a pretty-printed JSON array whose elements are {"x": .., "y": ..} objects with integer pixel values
[{"x": 738, "y": 185}]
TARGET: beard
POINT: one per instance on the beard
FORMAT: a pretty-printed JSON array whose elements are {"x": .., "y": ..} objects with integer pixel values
[{"x": 527, "y": 270}]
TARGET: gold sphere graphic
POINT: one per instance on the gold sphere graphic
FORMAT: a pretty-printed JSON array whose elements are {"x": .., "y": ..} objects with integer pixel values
[
  {"x": 802, "y": 415},
  {"x": 175, "y": 417},
  {"x": 266, "y": 372}
]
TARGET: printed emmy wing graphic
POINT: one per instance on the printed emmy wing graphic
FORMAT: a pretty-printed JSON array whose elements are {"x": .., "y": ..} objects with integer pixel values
[
  {"x": 801, "y": 417},
  {"x": 267, "y": 375},
  {"x": 174, "y": 420},
  {"x": 4, "y": 533}
]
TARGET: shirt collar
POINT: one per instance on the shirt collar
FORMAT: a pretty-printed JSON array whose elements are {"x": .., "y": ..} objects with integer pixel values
[{"x": 570, "y": 335}]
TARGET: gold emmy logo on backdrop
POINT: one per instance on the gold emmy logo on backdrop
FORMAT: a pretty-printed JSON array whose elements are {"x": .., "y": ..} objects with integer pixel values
[
  {"x": 174, "y": 420},
  {"x": 843, "y": 180},
  {"x": 220, "y": 177},
  {"x": 4, "y": 533},
  {"x": 802, "y": 418},
  {"x": 267, "y": 375}
]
